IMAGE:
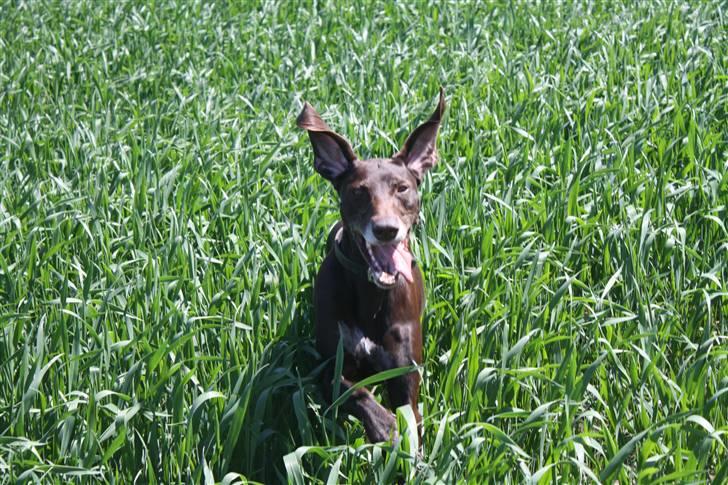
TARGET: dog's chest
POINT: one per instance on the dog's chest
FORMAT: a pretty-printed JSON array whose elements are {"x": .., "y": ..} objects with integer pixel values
[{"x": 378, "y": 310}]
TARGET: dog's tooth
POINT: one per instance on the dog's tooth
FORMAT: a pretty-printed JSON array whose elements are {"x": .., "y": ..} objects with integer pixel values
[{"x": 384, "y": 280}]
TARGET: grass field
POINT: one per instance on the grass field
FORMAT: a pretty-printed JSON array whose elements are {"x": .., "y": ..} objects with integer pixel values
[{"x": 161, "y": 225}]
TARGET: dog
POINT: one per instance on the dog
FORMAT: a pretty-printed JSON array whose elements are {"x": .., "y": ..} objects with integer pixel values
[{"x": 369, "y": 291}]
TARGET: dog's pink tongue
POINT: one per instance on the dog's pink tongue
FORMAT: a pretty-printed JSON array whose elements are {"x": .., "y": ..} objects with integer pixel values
[
  {"x": 403, "y": 261},
  {"x": 395, "y": 259}
]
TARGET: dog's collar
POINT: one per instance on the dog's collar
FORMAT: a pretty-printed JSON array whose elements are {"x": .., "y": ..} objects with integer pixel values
[{"x": 346, "y": 262}]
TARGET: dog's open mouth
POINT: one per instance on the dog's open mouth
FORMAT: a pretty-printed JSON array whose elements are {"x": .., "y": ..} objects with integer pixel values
[{"x": 386, "y": 261}]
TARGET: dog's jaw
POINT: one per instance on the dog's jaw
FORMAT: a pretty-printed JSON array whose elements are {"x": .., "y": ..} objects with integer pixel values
[{"x": 386, "y": 261}]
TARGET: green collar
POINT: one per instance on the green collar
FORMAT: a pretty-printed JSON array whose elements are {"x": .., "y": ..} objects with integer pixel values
[{"x": 356, "y": 268}]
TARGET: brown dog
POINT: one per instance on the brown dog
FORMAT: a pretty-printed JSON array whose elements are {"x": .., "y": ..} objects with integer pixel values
[{"x": 369, "y": 290}]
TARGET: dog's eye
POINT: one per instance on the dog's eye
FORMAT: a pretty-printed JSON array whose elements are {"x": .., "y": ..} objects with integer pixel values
[{"x": 402, "y": 188}]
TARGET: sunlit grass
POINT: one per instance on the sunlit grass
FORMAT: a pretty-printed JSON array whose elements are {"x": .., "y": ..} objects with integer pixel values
[{"x": 161, "y": 224}]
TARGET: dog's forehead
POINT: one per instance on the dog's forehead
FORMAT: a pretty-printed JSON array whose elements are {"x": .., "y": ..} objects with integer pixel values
[{"x": 375, "y": 169}]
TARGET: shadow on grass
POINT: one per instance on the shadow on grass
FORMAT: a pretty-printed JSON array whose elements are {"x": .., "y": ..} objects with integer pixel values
[{"x": 280, "y": 409}]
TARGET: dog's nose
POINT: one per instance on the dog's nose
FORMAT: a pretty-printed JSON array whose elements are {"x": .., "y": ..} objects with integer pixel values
[{"x": 385, "y": 230}]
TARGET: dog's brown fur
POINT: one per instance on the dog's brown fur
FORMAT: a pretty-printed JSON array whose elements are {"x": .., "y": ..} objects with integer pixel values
[{"x": 378, "y": 323}]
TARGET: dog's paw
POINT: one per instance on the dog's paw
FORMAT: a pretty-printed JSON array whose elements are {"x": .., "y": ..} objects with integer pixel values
[{"x": 381, "y": 426}]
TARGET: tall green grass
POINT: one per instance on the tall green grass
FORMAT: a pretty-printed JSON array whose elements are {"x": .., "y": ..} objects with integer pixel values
[{"x": 161, "y": 225}]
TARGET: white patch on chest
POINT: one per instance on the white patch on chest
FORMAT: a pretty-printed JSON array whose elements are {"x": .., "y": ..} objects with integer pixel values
[{"x": 354, "y": 340}]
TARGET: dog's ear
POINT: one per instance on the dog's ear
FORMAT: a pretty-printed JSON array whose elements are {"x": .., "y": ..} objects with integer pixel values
[
  {"x": 333, "y": 155},
  {"x": 419, "y": 152}
]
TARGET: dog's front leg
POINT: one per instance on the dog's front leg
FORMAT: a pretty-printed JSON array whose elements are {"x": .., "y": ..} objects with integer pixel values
[
  {"x": 379, "y": 422},
  {"x": 398, "y": 349},
  {"x": 403, "y": 343},
  {"x": 364, "y": 350}
]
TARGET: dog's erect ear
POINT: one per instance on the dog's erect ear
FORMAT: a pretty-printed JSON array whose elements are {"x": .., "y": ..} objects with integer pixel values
[
  {"x": 419, "y": 152},
  {"x": 333, "y": 155}
]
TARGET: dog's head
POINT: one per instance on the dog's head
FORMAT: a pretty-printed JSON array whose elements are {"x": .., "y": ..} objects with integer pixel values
[{"x": 379, "y": 199}]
